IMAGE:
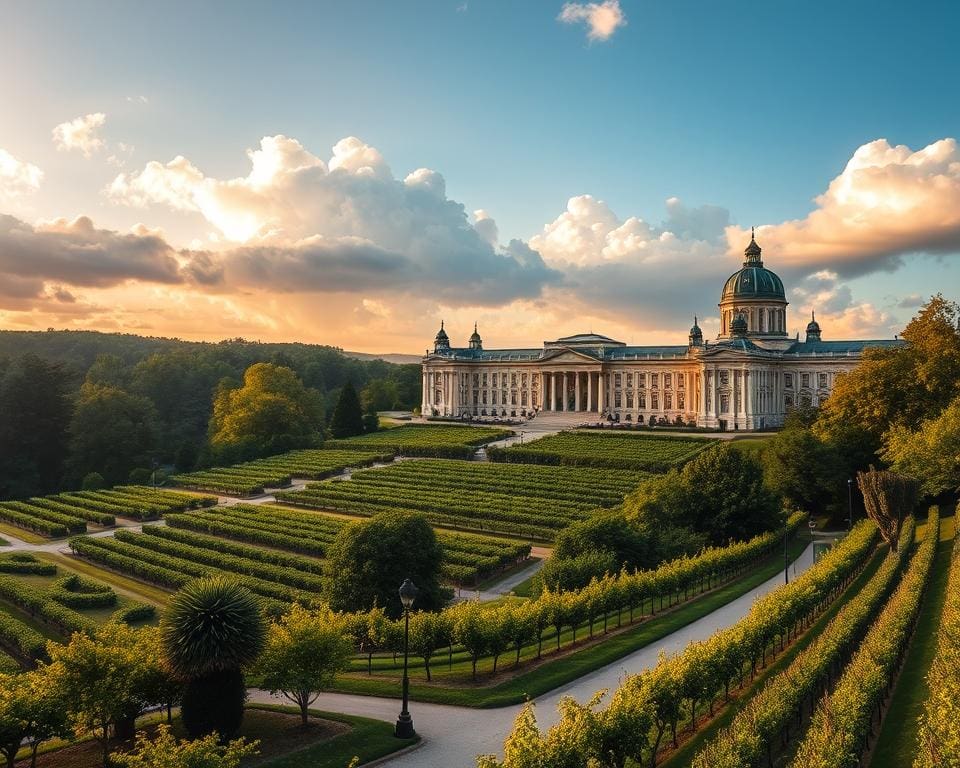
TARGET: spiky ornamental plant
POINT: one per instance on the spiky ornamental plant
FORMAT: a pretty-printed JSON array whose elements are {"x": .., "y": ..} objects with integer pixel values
[{"x": 213, "y": 628}]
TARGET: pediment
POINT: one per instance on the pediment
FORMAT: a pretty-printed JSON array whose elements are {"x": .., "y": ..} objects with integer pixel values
[
  {"x": 726, "y": 353},
  {"x": 564, "y": 356}
]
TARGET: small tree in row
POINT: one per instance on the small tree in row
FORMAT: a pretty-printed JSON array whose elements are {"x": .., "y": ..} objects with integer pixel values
[{"x": 888, "y": 498}]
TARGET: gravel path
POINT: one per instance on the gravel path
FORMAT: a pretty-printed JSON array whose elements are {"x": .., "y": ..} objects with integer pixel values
[{"x": 454, "y": 736}]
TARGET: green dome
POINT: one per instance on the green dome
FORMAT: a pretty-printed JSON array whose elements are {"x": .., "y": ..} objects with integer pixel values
[{"x": 754, "y": 281}]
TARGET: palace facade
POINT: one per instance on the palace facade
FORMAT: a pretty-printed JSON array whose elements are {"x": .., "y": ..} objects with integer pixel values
[{"x": 748, "y": 378}]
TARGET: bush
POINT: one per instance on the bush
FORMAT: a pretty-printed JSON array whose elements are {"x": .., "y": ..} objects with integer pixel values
[{"x": 140, "y": 476}]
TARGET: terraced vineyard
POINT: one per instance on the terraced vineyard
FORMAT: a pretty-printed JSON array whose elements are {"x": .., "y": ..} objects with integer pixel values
[
  {"x": 652, "y": 453},
  {"x": 252, "y": 477},
  {"x": 69, "y": 513},
  {"x": 228, "y": 538},
  {"x": 428, "y": 440},
  {"x": 530, "y": 501},
  {"x": 33, "y": 595}
]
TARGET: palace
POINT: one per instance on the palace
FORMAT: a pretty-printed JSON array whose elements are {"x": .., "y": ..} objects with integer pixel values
[{"x": 747, "y": 379}]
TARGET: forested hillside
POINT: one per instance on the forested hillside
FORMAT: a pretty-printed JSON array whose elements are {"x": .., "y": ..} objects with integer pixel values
[{"x": 75, "y": 402}]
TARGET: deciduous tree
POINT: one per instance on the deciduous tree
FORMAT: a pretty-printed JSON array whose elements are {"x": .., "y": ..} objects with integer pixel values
[{"x": 304, "y": 650}]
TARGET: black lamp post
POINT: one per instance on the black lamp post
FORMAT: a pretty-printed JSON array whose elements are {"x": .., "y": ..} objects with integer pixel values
[
  {"x": 849, "y": 503},
  {"x": 786, "y": 558},
  {"x": 404, "y": 728}
]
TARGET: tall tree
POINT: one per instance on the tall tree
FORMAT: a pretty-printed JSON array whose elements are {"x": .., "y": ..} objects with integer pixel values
[
  {"x": 33, "y": 431},
  {"x": 111, "y": 432},
  {"x": 271, "y": 412},
  {"x": 801, "y": 468},
  {"x": 347, "y": 419},
  {"x": 369, "y": 559}
]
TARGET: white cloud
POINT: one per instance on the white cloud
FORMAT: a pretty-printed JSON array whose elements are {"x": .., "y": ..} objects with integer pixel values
[
  {"x": 346, "y": 224},
  {"x": 602, "y": 19},
  {"x": 80, "y": 133},
  {"x": 889, "y": 201},
  {"x": 17, "y": 177},
  {"x": 138, "y": 99}
]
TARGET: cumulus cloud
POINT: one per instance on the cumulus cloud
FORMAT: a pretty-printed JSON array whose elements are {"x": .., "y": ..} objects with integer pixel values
[
  {"x": 888, "y": 202},
  {"x": 81, "y": 133},
  {"x": 601, "y": 19},
  {"x": 17, "y": 177},
  {"x": 77, "y": 253},
  {"x": 306, "y": 224}
]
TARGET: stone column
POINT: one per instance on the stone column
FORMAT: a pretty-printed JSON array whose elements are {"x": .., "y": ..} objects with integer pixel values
[
  {"x": 563, "y": 391},
  {"x": 600, "y": 393},
  {"x": 589, "y": 390},
  {"x": 748, "y": 383},
  {"x": 577, "y": 390},
  {"x": 553, "y": 391}
]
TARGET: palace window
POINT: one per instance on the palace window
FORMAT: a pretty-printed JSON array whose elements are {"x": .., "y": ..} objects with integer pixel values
[
  {"x": 641, "y": 400},
  {"x": 484, "y": 397},
  {"x": 629, "y": 399},
  {"x": 476, "y": 397},
  {"x": 680, "y": 400},
  {"x": 493, "y": 397},
  {"x": 616, "y": 397},
  {"x": 668, "y": 402},
  {"x": 654, "y": 379},
  {"x": 655, "y": 402},
  {"x": 681, "y": 381},
  {"x": 438, "y": 397},
  {"x": 616, "y": 380},
  {"x": 503, "y": 398},
  {"x": 725, "y": 403},
  {"x": 484, "y": 379},
  {"x": 513, "y": 398},
  {"x": 523, "y": 379},
  {"x": 476, "y": 380},
  {"x": 629, "y": 379},
  {"x": 523, "y": 397},
  {"x": 821, "y": 380},
  {"x": 535, "y": 380},
  {"x": 667, "y": 380},
  {"x": 805, "y": 379},
  {"x": 788, "y": 401},
  {"x": 513, "y": 379},
  {"x": 724, "y": 378},
  {"x": 788, "y": 381}
]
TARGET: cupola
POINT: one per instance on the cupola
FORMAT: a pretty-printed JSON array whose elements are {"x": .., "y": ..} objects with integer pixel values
[
  {"x": 813, "y": 328},
  {"x": 441, "y": 343},
  {"x": 475, "y": 341},
  {"x": 696, "y": 335}
]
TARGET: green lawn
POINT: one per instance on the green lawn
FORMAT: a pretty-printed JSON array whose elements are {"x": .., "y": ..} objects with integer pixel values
[
  {"x": 571, "y": 666},
  {"x": 689, "y": 748},
  {"x": 367, "y": 740},
  {"x": 896, "y": 744}
]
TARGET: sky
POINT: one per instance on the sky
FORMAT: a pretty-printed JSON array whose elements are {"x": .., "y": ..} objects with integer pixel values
[{"x": 352, "y": 173}]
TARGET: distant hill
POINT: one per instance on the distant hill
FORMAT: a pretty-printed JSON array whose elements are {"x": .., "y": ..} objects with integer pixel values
[{"x": 396, "y": 358}]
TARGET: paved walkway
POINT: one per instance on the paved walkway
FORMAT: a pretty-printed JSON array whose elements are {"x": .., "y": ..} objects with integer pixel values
[{"x": 454, "y": 736}]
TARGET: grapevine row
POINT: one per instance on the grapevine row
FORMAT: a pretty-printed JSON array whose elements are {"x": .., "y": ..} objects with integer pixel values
[
  {"x": 766, "y": 718},
  {"x": 841, "y": 726}
]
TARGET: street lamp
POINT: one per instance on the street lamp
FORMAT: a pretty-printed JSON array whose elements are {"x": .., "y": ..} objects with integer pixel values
[
  {"x": 404, "y": 728},
  {"x": 786, "y": 558},
  {"x": 849, "y": 503}
]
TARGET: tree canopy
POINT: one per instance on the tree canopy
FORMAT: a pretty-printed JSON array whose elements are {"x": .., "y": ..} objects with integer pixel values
[
  {"x": 369, "y": 559},
  {"x": 930, "y": 453},
  {"x": 271, "y": 412},
  {"x": 347, "y": 419}
]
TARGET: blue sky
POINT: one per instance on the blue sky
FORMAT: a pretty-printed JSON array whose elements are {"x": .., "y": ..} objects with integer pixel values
[{"x": 750, "y": 106}]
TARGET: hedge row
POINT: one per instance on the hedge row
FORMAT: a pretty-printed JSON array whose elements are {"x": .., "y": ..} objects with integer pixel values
[
  {"x": 77, "y": 592},
  {"x": 843, "y": 723},
  {"x": 765, "y": 720},
  {"x": 39, "y": 605},
  {"x": 21, "y": 640},
  {"x": 26, "y": 563}
]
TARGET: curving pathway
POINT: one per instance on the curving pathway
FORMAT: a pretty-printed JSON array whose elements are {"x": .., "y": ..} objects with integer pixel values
[{"x": 454, "y": 736}]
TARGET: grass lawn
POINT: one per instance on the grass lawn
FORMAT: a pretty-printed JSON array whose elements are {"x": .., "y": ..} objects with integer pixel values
[
  {"x": 22, "y": 534},
  {"x": 898, "y": 735},
  {"x": 685, "y": 753},
  {"x": 570, "y": 666},
  {"x": 4, "y": 542},
  {"x": 122, "y": 584}
]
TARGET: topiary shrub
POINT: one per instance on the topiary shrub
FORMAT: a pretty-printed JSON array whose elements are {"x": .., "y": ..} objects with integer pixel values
[{"x": 93, "y": 482}]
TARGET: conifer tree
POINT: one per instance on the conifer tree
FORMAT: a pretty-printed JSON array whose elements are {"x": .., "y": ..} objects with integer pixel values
[{"x": 347, "y": 419}]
